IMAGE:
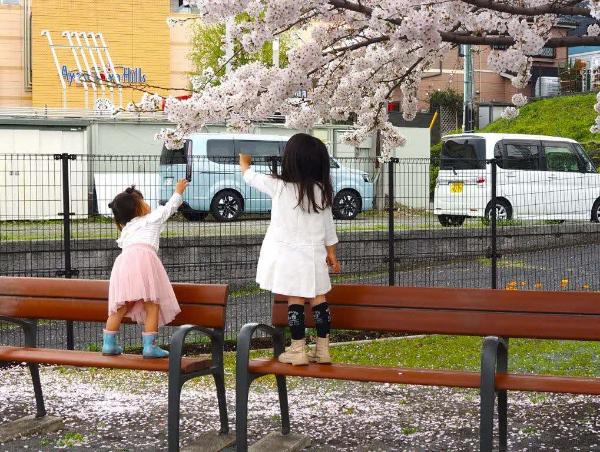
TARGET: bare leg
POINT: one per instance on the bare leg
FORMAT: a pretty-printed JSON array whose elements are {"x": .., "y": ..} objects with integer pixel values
[
  {"x": 295, "y": 300},
  {"x": 317, "y": 300},
  {"x": 151, "y": 324},
  {"x": 113, "y": 323}
]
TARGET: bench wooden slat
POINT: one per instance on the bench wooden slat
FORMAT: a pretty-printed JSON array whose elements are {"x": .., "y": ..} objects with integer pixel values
[
  {"x": 86, "y": 300},
  {"x": 212, "y": 316},
  {"x": 548, "y": 383},
  {"x": 463, "y": 299},
  {"x": 368, "y": 373},
  {"x": 462, "y": 379},
  {"x": 91, "y": 289},
  {"x": 440, "y": 321},
  {"x": 95, "y": 359}
]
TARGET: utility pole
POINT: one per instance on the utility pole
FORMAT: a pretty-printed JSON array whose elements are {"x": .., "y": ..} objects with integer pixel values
[{"x": 467, "y": 54}]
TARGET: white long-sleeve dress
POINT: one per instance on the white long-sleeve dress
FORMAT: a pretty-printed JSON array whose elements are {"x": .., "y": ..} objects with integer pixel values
[{"x": 293, "y": 256}]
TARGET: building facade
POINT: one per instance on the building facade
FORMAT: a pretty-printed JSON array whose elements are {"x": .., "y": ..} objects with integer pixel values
[{"x": 126, "y": 46}]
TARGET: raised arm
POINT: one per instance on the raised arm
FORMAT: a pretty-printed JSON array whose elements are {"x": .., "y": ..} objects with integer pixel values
[
  {"x": 261, "y": 182},
  {"x": 163, "y": 213}
]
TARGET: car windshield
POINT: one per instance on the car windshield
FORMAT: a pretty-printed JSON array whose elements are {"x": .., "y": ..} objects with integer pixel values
[
  {"x": 590, "y": 166},
  {"x": 463, "y": 153}
]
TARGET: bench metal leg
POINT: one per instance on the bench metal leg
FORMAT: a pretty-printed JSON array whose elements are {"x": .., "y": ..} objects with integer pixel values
[
  {"x": 502, "y": 420},
  {"x": 220, "y": 385},
  {"x": 37, "y": 389},
  {"x": 175, "y": 385},
  {"x": 283, "y": 404},
  {"x": 494, "y": 357},
  {"x": 242, "y": 389}
]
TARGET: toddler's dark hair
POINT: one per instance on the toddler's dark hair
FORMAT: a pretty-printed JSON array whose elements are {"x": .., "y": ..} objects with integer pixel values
[
  {"x": 306, "y": 163},
  {"x": 126, "y": 206}
]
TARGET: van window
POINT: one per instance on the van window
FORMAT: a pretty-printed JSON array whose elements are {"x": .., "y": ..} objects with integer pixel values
[
  {"x": 561, "y": 157},
  {"x": 220, "y": 151},
  {"x": 520, "y": 156},
  {"x": 257, "y": 148},
  {"x": 589, "y": 165},
  {"x": 465, "y": 154},
  {"x": 174, "y": 156}
]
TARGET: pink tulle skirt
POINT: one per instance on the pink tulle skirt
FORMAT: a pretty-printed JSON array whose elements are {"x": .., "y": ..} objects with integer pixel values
[{"x": 138, "y": 276}]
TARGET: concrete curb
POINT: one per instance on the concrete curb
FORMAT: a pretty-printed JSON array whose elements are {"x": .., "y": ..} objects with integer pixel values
[
  {"x": 29, "y": 425},
  {"x": 210, "y": 442},
  {"x": 275, "y": 441}
]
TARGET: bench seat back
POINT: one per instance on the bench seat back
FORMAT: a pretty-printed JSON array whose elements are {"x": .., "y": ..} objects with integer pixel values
[
  {"x": 472, "y": 312},
  {"x": 87, "y": 300}
]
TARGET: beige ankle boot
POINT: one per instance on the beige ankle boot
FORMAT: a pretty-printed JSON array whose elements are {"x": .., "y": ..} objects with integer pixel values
[
  {"x": 320, "y": 354},
  {"x": 295, "y": 354}
]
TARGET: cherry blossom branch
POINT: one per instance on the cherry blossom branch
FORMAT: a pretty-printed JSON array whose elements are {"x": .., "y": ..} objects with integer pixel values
[{"x": 548, "y": 8}]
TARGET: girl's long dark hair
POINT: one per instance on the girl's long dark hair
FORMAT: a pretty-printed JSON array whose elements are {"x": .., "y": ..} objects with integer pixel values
[{"x": 306, "y": 164}]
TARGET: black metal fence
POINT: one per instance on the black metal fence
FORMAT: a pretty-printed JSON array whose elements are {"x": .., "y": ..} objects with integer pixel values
[{"x": 406, "y": 222}]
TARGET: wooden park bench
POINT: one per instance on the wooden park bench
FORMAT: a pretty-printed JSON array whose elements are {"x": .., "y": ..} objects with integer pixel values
[
  {"x": 495, "y": 315},
  {"x": 24, "y": 300}
]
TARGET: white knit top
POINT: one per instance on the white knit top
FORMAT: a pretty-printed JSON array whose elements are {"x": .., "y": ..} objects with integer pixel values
[{"x": 146, "y": 229}]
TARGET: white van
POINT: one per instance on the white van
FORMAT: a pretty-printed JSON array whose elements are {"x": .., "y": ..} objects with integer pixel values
[{"x": 538, "y": 178}]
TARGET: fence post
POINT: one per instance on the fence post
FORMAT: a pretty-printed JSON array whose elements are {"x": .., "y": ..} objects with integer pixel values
[
  {"x": 67, "y": 272},
  {"x": 493, "y": 220},
  {"x": 391, "y": 226}
]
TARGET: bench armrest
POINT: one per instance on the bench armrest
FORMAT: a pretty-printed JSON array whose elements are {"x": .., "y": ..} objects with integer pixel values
[
  {"x": 494, "y": 358},
  {"x": 178, "y": 342},
  {"x": 245, "y": 338},
  {"x": 29, "y": 329}
]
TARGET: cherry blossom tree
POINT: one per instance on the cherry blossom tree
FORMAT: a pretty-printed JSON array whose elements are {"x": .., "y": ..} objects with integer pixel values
[{"x": 351, "y": 56}]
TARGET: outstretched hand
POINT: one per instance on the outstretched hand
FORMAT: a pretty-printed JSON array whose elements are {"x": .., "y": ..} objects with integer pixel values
[
  {"x": 245, "y": 161},
  {"x": 181, "y": 186}
]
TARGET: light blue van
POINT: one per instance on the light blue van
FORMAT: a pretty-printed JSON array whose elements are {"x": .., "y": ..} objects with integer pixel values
[{"x": 210, "y": 161}]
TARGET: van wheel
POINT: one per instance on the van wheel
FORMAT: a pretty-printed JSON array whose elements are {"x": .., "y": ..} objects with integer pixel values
[
  {"x": 503, "y": 210},
  {"x": 227, "y": 205},
  {"x": 451, "y": 220},
  {"x": 192, "y": 214},
  {"x": 596, "y": 211},
  {"x": 347, "y": 204}
]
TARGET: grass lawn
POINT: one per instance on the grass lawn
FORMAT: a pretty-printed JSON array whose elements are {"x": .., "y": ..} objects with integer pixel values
[{"x": 563, "y": 116}]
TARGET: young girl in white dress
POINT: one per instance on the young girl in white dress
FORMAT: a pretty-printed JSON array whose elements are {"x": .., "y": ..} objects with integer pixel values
[
  {"x": 139, "y": 285},
  {"x": 300, "y": 241}
]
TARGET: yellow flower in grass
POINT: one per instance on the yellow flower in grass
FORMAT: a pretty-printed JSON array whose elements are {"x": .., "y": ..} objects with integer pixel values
[
  {"x": 564, "y": 283},
  {"x": 523, "y": 283},
  {"x": 537, "y": 285},
  {"x": 512, "y": 285},
  {"x": 585, "y": 286}
]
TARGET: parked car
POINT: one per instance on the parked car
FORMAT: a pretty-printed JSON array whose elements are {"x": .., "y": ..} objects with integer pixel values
[
  {"x": 537, "y": 178},
  {"x": 216, "y": 184}
]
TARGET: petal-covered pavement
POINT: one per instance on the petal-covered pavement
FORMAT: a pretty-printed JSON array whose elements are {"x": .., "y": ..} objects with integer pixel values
[{"x": 122, "y": 410}]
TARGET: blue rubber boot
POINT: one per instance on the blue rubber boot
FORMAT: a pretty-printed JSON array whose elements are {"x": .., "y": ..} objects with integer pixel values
[
  {"x": 109, "y": 343},
  {"x": 151, "y": 349}
]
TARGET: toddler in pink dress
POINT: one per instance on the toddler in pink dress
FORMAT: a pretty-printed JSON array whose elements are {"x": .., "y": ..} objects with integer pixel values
[{"x": 139, "y": 286}]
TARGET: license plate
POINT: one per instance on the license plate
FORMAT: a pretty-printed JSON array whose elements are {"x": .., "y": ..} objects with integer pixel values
[{"x": 456, "y": 187}]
